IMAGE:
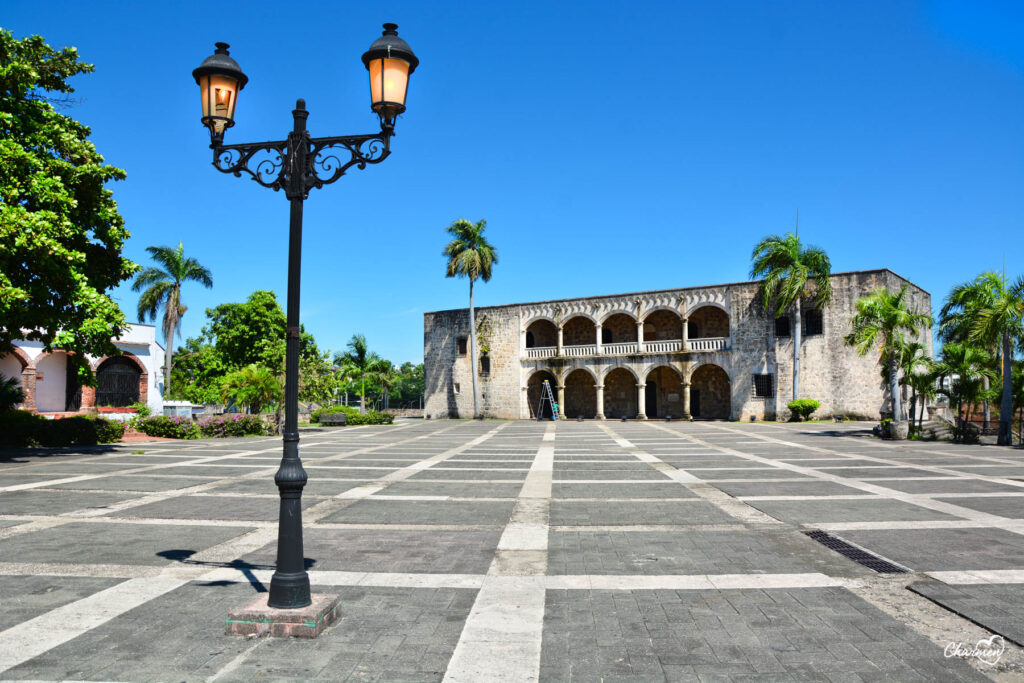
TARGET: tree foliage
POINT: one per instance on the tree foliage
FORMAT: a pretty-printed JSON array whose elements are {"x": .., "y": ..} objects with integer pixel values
[
  {"x": 253, "y": 386},
  {"x": 60, "y": 232}
]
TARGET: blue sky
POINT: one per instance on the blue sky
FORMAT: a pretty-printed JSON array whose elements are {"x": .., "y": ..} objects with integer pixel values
[{"x": 611, "y": 146}]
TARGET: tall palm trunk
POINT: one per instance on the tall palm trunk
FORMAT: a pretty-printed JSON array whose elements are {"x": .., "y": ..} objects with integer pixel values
[
  {"x": 1006, "y": 409},
  {"x": 894, "y": 391},
  {"x": 796, "y": 353},
  {"x": 167, "y": 360},
  {"x": 985, "y": 404},
  {"x": 362, "y": 396},
  {"x": 472, "y": 352}
]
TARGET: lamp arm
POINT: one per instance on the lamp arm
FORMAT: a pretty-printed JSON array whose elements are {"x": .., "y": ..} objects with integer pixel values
[{"x": 325, "y": 161}]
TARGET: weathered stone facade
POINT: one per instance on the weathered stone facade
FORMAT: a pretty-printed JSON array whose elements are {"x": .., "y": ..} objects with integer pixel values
[{"x": 710, "y": 352}]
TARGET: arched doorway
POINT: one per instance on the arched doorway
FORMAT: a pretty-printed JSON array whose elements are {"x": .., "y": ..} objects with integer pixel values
[
  {"x": 540, "y": 334},
  {"x": 664, "y": 393},
  {"x": 57, "y": 387},
  {"x": 620, "y": 397},
  {"x": 117, "y": 382},
  {"x": 710, "y": 393},
  {"x": 580, "y": 394},
  {"x": 533, "y": 394}
]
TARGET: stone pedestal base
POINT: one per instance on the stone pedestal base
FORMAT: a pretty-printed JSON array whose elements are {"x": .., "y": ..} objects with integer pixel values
[{"x": 306, "y": 622}]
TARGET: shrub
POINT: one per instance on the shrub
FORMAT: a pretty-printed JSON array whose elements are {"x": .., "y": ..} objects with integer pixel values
[
  {"x": 802, "y": 408},
  {"x": 233, "y": 425},
  {"x": 20, "y": 428},
  {"x": 11, "y": 393},
  {"x": 372, "y": 417},
  {"x": 141, "y": 409},
  {"x": 167, "y": 426}
]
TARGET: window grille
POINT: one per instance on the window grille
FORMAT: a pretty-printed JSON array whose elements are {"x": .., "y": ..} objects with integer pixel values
[
  {"x": 813, "y": 323},
  {"x": 485, "y": 365},
  {"x": 764, "y": 386},
  {"x": 461, "y": 343},
  {"x": 782, "y": 326}
]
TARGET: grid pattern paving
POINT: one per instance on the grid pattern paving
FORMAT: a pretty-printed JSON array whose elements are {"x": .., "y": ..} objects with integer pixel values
[{"x": 477, "y": 551}]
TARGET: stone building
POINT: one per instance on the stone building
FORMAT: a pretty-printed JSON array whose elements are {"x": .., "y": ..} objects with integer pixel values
[
  {"x": 134, "y": 376},
  {"x": 710, "y": 352}
]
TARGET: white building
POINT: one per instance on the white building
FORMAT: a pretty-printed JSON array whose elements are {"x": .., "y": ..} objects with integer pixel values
[{"x": 134, "y": 376}]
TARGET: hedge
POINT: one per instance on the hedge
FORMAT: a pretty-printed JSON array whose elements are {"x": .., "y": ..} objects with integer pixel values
[
  {"x": 215, "y": 427},
  {"x": 372, "y": 417},
  {"x": 802, "y": 408},
  {"x": 20, "y": 428},
  {"x": 168, "y": 427}
]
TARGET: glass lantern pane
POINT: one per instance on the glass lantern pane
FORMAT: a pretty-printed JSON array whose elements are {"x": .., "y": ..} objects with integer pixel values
[{"x": 396, "y": 78}]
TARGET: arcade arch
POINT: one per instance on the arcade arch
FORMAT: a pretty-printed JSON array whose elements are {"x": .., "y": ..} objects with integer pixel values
[
  {"x": 580, "y": 394},
  {"x": 710, "y": 393},
  {"x": 620, "y": 394},
  {"x": 664, "y": 393},
  {"x": 541, "y": 333},
  {"x": 533, "y": 393},
  {"x": 708, "y": 321},
  {"x": 663, "y": 325},
  {"x": 618, "y": 328},
  {"x": 579, "y": 331}
]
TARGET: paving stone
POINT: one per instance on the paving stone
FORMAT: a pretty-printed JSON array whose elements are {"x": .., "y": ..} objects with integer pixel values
[
  {"x": 944, "y": 549},
  {"x": 379, "y": 511},
  {"x": 33, "y": 502},
  {"x": 211, "y": 508},
  {"x": 1011, "y": 507},
  {"x": 874, "y": 510},
  {"x": 614, "y": 513}
]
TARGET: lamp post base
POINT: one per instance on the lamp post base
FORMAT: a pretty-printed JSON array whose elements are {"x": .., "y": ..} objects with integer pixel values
[{"x": 256, "y": 619}]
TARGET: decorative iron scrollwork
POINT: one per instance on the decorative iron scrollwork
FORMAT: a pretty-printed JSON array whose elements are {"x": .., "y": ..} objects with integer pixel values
[{"x": 322, "y": 161}]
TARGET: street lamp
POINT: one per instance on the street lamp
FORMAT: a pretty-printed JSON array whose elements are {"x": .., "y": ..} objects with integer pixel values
[{"x": 297, "y": 165}]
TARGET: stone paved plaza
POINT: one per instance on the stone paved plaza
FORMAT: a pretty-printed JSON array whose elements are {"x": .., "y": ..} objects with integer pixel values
[{"x": 477, "y": 551}]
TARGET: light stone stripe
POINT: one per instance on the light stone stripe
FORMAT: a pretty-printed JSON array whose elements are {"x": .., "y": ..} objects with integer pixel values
[
  {"x": 979, "y": 576},
  {"x": 910, "y": 525},
  {"x": 506, "y": 622},
  {"x": 380, "y": 484},
  {"x": 32, "y": 638},
  {"x": 724, "y": 502},
  {"x": 928, "y": 503}
]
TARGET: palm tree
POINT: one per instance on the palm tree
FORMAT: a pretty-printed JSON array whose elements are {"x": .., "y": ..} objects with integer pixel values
[
  {"x": 253, "y": 385},
  {"x": 470, "y": 255},
  {"x": 786, "y": 266},
  {"x": 359, "y": 363},
  {"x": 965, "y": 366},
  {"x": 959, "y": 313},
  {"x": 1002, "y": 320},
  {"x": 163, "y": 289},
  {"x": 884, "y": 318},
  {"x": 11, "y": 393},
  {"x": 914, "y": 363}
]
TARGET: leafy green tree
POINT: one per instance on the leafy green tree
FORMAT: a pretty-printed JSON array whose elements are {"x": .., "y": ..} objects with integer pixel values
[
  {"x": 199, "y": 370},
  {"x": 470, "y": 255},
  {"x": 913, "y": 361},
  {"x": 787, "y": 269},
  {"x": 408, "y": 388},
  {"x": 884, "y": 318},
  {"x": 253, "y": 386},
  {"x": 960, "y": 371},
  {"x": 1001, "y": 321},
  {"x": 318, "y": 379},
  {"x": 249, "y": 332},
  {"x": 60, "y": 232},
  {"x": 362, "y": 364},
  {"x": 161, "y": 289}
]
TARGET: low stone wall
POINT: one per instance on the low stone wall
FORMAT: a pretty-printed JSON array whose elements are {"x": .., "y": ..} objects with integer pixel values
[{"x": 405, "y": 412}]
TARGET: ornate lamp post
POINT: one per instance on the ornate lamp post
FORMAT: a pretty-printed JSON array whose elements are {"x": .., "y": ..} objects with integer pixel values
[{"x": 297, "y": 165}]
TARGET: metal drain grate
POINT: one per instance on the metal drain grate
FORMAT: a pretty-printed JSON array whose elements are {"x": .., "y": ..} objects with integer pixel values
[{"x": 858, "y": 555}]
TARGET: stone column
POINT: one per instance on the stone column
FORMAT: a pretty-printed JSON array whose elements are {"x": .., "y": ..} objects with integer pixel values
[
  {"x": 559, "y": 340},
  {"x": 600, "y": 346},
  {"x": 561, "y": 390},
  {"x": 522, "y": 343},
  {"x": 28, "y": 386},
  {"x": 686, "y": 401},
  {"x": 640, "y": 336},
  {"x": 641, "y": 400},
  {"x": 686, "y": 336},
  {"x": 600, "y": 402}
]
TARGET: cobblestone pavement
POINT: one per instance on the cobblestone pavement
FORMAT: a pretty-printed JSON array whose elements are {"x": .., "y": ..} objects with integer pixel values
[{"x": 478, "y": 551}]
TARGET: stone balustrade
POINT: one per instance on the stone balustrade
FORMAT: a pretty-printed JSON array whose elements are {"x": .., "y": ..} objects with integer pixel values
[{"x": 631, "y": 348}]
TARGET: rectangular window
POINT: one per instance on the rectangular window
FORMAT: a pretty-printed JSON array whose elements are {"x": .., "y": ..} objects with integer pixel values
[
  {"x": 764, "y": 386},
  {"x": 813, "y": 323},
  {"x": 782, "y": 326},
  {"x": 456, "y": 387},
  {"x": 461, "y": 344},
  {"x": 485, "y": 365}
]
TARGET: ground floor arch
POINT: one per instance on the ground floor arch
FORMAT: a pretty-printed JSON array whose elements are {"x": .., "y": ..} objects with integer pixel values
[
  {"x": 57, "y": 387},
  {"x": 534, "y": 386},
  {"x": 620, "y": 394},
  {"x": 710, "y": 393},
  {"x": 120, "y": 381},
  {"x": 580, "y": 394},
  {"x": 663, "y": 393}
]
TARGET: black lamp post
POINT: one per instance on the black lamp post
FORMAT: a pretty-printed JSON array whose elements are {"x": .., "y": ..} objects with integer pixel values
[{"x": 297, "y": 165}]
